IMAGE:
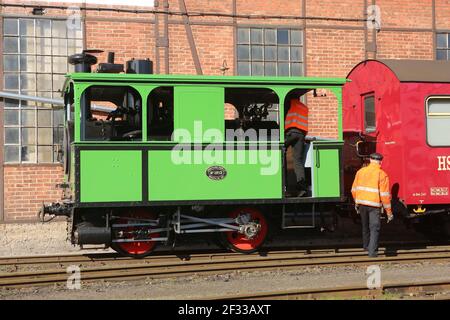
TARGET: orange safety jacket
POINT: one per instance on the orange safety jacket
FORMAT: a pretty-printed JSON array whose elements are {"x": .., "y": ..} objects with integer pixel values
[
  {"x": 297, "y": 116},
  {"x": 371, "y": 188}
]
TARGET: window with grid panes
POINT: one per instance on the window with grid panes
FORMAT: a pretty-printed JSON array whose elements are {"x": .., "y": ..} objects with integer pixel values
[
  {"x": 35, "y": 55},
  {"x": 443, "y": 46},
  {"x": 269, "y": 52}
]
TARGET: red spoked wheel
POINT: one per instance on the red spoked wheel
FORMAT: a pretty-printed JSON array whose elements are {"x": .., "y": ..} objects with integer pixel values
[
  {"x": 135, "y": 249},
  {"x": 240, "y": 242}
]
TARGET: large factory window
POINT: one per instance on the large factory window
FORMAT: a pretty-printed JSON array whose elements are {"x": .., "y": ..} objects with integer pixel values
[
  {"x": 269, "y": 52},
  {"x": 443, "y": 46},
  {"x": 35, "y": 61},
  {"x": 160, "y": 114},
  {"x": 369, "y": 114},
  {"x": 438, "y": 121},
  {"x": 251, "y": 114},
  {"x": 111, "y": 114}
]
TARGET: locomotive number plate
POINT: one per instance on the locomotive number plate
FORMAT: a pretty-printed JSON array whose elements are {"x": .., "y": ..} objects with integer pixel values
[{"x": 216, "y": 173}]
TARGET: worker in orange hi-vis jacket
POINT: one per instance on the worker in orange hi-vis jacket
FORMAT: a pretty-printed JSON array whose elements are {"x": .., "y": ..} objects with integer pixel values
[
  {"x": 370, "y": 191},
  {"x": 296, "y": 129}
]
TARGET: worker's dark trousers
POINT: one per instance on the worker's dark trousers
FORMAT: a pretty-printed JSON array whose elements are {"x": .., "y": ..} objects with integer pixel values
[
  {"x": 296, "y": 139},
  {"x": 370, "y": 219}
]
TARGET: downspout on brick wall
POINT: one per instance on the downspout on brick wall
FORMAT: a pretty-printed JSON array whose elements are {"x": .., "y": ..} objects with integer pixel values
[
  {"x": 166, "y": 37},
  {"x": 2, "y": 176},
  {"x": 161, "y": 33},
  {"x": 433, "y": 17},
  {"x": 156, "y": 31},
  {"x": 190, "y": 37}
]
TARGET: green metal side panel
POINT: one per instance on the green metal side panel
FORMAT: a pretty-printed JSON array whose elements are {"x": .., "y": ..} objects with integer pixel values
[
  {"x": 327, "y": 173},
  {"x": 171, "y": 181},
  {"x": 110, "y": 175},
  {"x": 198, "y": 109}
]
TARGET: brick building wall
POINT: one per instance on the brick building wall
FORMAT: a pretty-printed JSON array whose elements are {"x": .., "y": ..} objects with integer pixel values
[
  {"x": 27, "y": 187},
  {"x": 179, "y": 45}
]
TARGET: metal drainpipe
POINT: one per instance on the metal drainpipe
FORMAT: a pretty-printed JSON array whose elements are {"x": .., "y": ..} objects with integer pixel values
[
  {"x": 16, "y": 96},
  {"x": 2, "y": 105}
]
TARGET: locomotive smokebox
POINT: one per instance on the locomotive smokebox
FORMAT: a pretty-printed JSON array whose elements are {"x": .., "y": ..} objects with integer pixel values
[
  {"x": 140, "y": 66},
  {"x": 92, "y": 235}
]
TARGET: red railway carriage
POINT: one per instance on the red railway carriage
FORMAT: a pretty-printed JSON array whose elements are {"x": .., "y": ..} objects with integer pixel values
[{"x": 401, "y": 108}]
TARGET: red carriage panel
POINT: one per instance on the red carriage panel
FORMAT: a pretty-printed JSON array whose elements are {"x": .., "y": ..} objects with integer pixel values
[{"x": 398, "y": 91}]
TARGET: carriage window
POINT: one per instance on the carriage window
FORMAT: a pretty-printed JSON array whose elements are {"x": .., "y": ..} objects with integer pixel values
[
  {"x": 251, "y": 114},
  {"x": 111, "y": 113},
  {"x": 369, "y": 114},
  {"x": 438, "y": 121},
  {"x": 160, "y": 114}
]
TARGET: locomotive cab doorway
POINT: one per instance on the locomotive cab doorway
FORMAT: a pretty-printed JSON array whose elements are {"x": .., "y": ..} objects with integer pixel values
[
  {"x": 291, "y": 185},
  {"x": 321, "y": 154},
  {"x": 290, "y": 177}
]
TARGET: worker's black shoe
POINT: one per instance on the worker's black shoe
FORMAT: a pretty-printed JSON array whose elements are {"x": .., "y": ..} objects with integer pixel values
[
  {"x": 301, "y": 193},
  {"x": 302, "y": 188},
  {"x": 295, "y": 194}
]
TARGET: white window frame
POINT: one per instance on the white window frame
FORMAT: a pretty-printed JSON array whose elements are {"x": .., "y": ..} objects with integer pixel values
[{"x": 440, "y": 115}]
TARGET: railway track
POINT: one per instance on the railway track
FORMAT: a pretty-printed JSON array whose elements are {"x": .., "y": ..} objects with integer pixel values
[
  {"x": 112, "y": 257},
  {"x": 423, "y": 290},
  {"x": 218, "y": 263}
]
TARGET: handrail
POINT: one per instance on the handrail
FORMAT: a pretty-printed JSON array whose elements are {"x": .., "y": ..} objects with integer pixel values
[
  {"x": 16, "y": 96},
  {"x": 316, "y": 138}
]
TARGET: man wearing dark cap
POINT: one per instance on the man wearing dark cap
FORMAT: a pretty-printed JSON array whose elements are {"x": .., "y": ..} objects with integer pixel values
[{"x": 370, "y": 191}]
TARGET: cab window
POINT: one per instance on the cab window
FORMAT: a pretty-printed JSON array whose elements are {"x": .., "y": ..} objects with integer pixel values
[
  {"x": 111, "y": 113},
  {"x": 160, "y": 114},
  {"x": 251, "y": 114},
  {"x": 369, "y": 113}
]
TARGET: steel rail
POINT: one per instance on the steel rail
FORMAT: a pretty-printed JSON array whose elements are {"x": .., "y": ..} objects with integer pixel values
[
  {"x": 205, "y": 265},
  {"x": 211, "y": 253},
  {"x": 440, "y": 287},
  {"x": 207, "y": 254}
]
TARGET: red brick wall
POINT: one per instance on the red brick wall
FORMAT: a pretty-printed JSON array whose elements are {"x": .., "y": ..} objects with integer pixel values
[
  {"x": 127, "y": 40},
  {"x": 330, "y": 53},
  {"x": 406, "y": 14},
  {"x": 405, "y": 45},
  {"x": 333, "y": 48},
  {"x": 27, "y": 187},
  {"x": 443, "y": 14}
]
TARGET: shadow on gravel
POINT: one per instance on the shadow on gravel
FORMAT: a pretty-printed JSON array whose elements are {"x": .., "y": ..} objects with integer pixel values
[{"x": 392, "y": 251}]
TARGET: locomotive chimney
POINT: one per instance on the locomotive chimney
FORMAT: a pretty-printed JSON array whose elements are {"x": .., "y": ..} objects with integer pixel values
[{"x": 82, "y": 61}]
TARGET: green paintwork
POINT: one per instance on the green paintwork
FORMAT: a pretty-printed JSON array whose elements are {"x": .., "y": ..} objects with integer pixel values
[
  {"x": 170, "y": 181},
  {"x": 327, "y": 179},
  {"x": 234, "y": 80},
  {"x": 115, "y": 176},
  {"x": 199, "y": 108},
  {"x": 111, "y": 176}
]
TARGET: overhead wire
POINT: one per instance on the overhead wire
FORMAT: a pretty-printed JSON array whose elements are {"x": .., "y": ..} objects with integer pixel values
[{"x": 188, "y": 14}]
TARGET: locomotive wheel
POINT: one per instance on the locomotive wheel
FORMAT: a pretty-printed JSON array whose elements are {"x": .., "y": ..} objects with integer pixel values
[
  {"x": 238, "y": 242},
  {"x": 135, "y": 249}
]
